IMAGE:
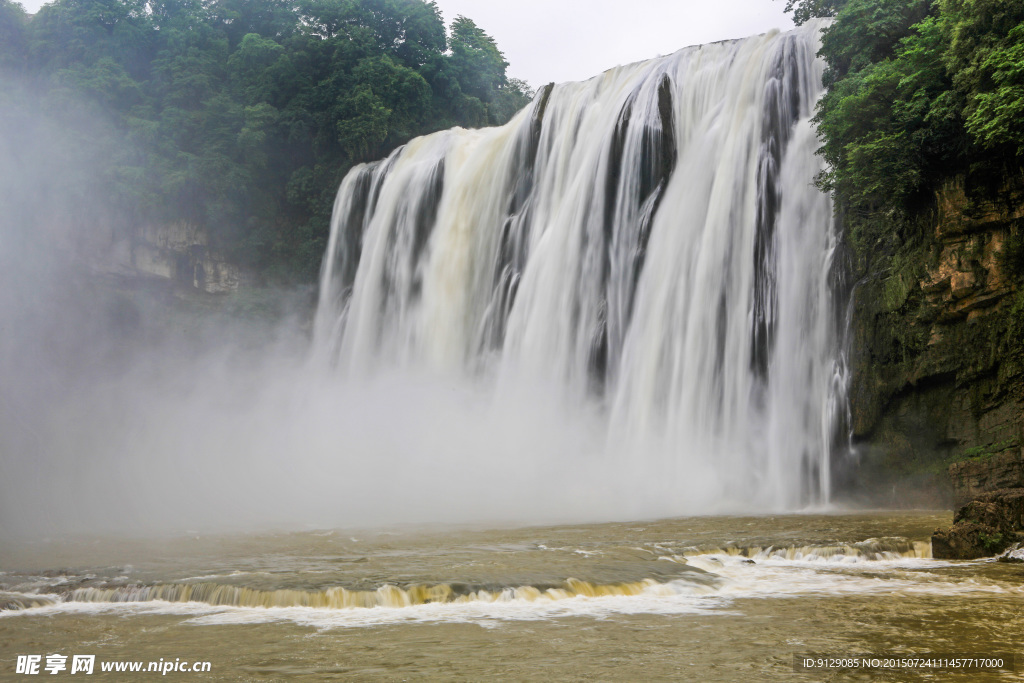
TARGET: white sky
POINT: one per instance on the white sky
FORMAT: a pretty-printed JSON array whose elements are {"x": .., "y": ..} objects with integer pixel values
[{"x": 571, "y": 40}]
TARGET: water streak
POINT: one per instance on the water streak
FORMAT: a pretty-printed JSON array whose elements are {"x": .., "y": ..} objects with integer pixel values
[{"x": 648, "y": 242}]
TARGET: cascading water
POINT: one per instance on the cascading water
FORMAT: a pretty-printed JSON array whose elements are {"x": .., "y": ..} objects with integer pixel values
[{"x": 650, "y": 241}]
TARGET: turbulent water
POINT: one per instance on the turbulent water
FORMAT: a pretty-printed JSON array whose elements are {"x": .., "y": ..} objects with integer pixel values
[
  {"x": 707, "y": 598},
  {"x": 648, "y": 243},
  {"x": 459, "y": 574}
]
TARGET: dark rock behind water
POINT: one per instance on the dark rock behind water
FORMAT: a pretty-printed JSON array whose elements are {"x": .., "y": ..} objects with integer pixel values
[{"x": 937, "y": 351}]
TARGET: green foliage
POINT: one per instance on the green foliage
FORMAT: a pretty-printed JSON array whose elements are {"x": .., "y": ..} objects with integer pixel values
[
  {"x": 13, "y": 38},
  {"x": 1011, "y": 256},
  {"x": 1011, "y": 346},
  {"x": 987, "y": 451},
  {"x": 994, "y": 543},
  {"x": 476, "y": 61},
  {"x": 255, "y": 67},
  {"x": 919, "y": 91},
  {"x": 895, "y": 291},
  {"x": 241, "y": 116},
  {"x": 866, "y": 32},
  {"x": 974, "y": 454},
  {"x": 805, "y": 10},
  {"x": 986, "y": 58},
  {"x": 887, "y": 122}
]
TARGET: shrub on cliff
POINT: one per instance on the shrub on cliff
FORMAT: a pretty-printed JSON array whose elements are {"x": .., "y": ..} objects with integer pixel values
[{"x": 919, "y": 91}]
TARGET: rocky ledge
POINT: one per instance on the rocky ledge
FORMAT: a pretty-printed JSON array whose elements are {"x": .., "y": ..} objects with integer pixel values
[
  {"x": 985, "y": 526},
  {"x": 937, "y": 350},
  {"x": 182, "y": 253},
  {"x": 1000, "y": 470}
]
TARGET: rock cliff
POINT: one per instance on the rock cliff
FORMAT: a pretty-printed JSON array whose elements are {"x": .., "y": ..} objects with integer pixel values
[
  {"x": 938, "y": 351},
  {"x": 181, "y": 252}
]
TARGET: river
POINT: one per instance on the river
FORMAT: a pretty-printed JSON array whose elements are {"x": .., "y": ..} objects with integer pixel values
[{"x": 704, "y": 598}]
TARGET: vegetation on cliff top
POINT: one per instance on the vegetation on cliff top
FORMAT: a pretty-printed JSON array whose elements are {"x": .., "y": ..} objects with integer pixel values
[
  {"x": 919, "y": 91},
  {"x": 240, "y": 116}
]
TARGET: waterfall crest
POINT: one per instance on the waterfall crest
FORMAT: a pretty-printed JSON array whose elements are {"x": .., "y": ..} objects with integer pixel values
[{"x": 648, "y": 242}]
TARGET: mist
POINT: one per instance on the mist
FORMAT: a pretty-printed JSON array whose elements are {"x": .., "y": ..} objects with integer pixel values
[
  {"x": 130, "y": 407},
  {"x": 205, "y": 443},
  {"x": 123, "y": 410},
  {"x": 108, "y": 428},
  {"x": 116, "y": 421}
]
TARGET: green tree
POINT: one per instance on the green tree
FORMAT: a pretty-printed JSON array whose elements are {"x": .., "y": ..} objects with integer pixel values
[
  {"x": 805, "y": 10},
  {"x": 866, "y": 32},
  {"x": 919, "y": 92},
  {"x": 68, "y": 32},
  {"x": 13, "y": 38},
  {"x": 256, "y": 68},
  {"x": 889, "y": 122},
  {"x": 242, "y": 116},
  {"x": 985, "y": 56}
]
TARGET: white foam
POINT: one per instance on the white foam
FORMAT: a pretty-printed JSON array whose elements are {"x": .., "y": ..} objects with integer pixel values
[{"x": 738, "y": 579}]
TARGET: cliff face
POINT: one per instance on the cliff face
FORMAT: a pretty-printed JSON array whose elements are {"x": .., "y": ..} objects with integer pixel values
[
  {"x": 938, "y": 351},
  {"x": 181, "y": 252}
]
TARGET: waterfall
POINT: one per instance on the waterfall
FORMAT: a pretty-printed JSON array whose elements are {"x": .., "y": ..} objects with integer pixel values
[{"x": 650, "y": 242}]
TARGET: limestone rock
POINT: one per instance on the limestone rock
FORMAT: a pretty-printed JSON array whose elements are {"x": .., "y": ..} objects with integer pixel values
[
  {"x": 967, "y": 541},
  {"x": 985, "y": 526},
  {"x": 972, "y": 478},
  {"x": 181, "y": 252},
  {"x": 937, "y": 350},
  {"x": 962, "y": 284}
]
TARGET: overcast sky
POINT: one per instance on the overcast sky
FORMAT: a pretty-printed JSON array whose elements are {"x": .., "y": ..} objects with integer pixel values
[{"x": 571, "y": 40}]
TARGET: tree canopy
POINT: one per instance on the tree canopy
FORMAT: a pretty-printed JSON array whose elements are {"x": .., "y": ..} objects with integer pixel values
[
  {"x": 242, "y": 116},
  {"x": 919, "y": 91}
]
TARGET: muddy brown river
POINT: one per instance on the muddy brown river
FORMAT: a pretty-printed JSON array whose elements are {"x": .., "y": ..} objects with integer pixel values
[{"x": 703, "y": 598}]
